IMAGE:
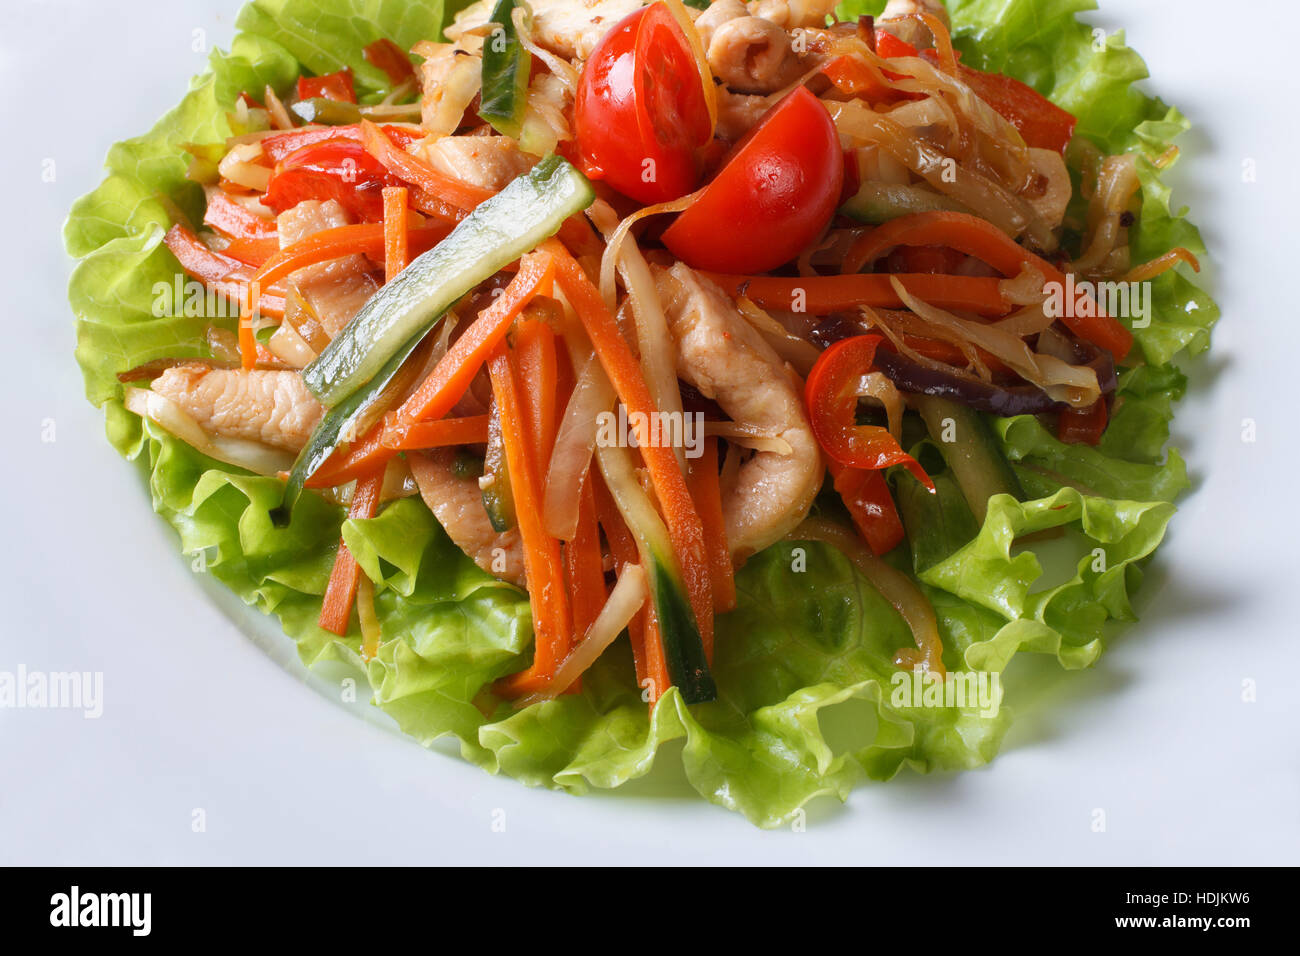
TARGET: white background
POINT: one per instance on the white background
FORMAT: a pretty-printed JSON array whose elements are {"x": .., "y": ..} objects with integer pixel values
[{"x": 197, "y": 714}]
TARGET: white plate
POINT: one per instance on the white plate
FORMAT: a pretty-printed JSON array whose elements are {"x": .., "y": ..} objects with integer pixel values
[{"x": 206, "y": 711}]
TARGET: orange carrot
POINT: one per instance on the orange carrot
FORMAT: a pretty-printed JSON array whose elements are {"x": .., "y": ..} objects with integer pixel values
[
  {"x": 535, "y": 349},
  {"x": 980, "y": 238},
  {"x": 583, "y": 566},
  {"x": 451, "y": 377},
  {"x": 705, "y": 490},
  {"x": 367, "y": 238},
  {"x": 411, "y": 169},
  {"x": 821, "y": 295},
  {"x": 472, "y": 430},
  {"x": 396, "y": 254},
  {"x": 336, "y": 608},
  {"x": 542, "y": 563},
  {"x": 683, "y": 521}
]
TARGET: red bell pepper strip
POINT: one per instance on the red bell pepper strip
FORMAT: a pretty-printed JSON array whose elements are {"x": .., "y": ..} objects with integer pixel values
[
  {"x": 1083, "y": 426},
  {"x": 222, "y": 274},
  {"x": 831, "y": 395},
  {"x": 411, "y": 169},
  {"x": 1041, "y": 122},
  {"x": 279, "y": 145},
  {"x": 390, "y": 58},
  {"x": 236, "y": 221},
  {"x": 870, "y": 504},
  {"x": 332, "y": 86}
]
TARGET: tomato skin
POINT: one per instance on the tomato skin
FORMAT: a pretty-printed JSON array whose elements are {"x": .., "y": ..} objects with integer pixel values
[
  {"x": 337, "y": 169},
  {"x": 639, "y": 112},
  {"x": 772, "y": 199}
]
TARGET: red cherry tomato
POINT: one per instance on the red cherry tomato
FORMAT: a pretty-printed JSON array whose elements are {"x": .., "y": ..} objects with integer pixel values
[
  {"x": 640, "y": 111},
  {"x": 773, "y": 197},
  {"x": 334, "y": 169}
]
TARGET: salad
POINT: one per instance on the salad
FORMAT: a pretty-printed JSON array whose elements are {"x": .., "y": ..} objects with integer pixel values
[{"x": 590, "y": 374}]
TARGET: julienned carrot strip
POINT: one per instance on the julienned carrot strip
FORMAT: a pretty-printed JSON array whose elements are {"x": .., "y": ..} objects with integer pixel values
[
  {"x": 252, "y": 252},
  {"x": 583, "y": 566},
  {"x": 683, "y": 521},
  {"x": 451, "y": 377},
  {"x": 535, "y": 352},
  {"x": 821, "y": 295},
  {"x": 247, "y": 338},
  {"x": 980, "y": 238},
  {"x": 703, "y": 481},
  {"x": 542, "y": 563},
  {"x": 411, "y": 169},
  {"x": 396, "y": 254},
  {"x": 472, "y": 430},
  {"x": 386, "y": 438},
  {"x": 647, "y": 645},
  {"x": 336, "y": 608},
  {"x": 366, "y": 238}
]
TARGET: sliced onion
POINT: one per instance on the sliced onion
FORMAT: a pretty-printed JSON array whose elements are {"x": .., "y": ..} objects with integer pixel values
[
  {"x": 1117, "y": 182},
  {"x": 249, "y": 455},
  {"x": 684, "y": 21},
  {"x": 625, "y": 600},
  {"x": 559, "y": 67},
  {"x": 575, "y": 442},
  {"x": 239, "y": 167},
  {"x": 280, "y": 117},
  {"x": 748, "y": 436},
  {"x": 370, "y": 632},
  {"x": 894, "y": 586},
  {"x": 1010, "y": 213},
  {"x": 1076, "y": 385},
  {"x": 801, "y": 354},
  {"x": 288, "y": 346},
  {"x": 876, "y": 385}
]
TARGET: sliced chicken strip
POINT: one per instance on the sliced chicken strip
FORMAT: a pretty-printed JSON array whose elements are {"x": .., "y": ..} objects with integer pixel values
[
  {"x": 753, "y": 55},
  {"x": 337, "y": 289},
  {"x": 457, "y": 503},
  {"x": 792, "y": 14},
  {"x": 571, "y": 28},
  {"x": 271, "y": 406},
  {"x": 722, "y": 355},
  {"x": 489, "y": 162}
]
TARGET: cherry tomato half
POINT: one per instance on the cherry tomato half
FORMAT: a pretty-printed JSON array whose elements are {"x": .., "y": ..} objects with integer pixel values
[
  {"x": 773, "y": 197},
  {"x": 640, "y": 112},
  {"x": 334, "y": 169}
]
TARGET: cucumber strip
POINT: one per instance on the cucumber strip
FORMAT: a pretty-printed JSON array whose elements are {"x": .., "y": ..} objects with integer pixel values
[
  {"x": 973, "y": 454},
  {"x": 683, "y": 648},
  {"x": 326, "y": 112},
  {"x": 528, "y": 211},
  {"x": 506, "y": 65},
  {"x": 498, "y": 496},
  {"x": 337, "y": 422},
  {"x": 938, "y": 524},
  {"x": 881, "y": 202}
]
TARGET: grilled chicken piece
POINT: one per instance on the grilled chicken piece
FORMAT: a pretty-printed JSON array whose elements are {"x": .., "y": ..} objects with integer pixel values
[
  {"x": 271, "y": 406},
  {"x": 489, "y": 162},
  {"x": 336, "y": 290},
  {"x": 457, "y": 503},
  {"x": 725, "y": 358},
  {"x": 571, "y": 28}
]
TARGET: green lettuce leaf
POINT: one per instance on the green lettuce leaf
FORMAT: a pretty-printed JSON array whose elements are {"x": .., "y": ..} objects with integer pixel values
[{"x": 810, "y": 702}]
